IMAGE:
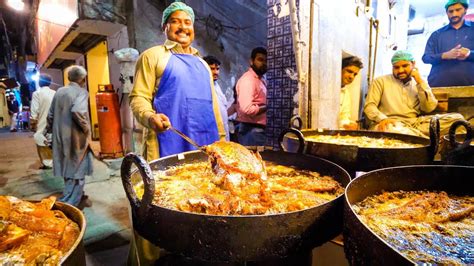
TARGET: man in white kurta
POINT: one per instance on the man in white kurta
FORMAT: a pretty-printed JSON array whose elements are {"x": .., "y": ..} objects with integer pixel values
[
  {"x": 350, "y": 68},
  {"x": 399, "y": 102},
  {"x": 40, "y": 104}
]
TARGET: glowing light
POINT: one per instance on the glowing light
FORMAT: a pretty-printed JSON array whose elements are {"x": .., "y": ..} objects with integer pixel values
[
  {"x": 16, "y": 4},
  {"x": 35, "y": 76},
  {"x": 54, "y": 13}
]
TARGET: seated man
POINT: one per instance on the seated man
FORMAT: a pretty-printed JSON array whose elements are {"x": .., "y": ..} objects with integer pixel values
[
  {"x": 350, "y": 68},
  {"x": 396, "y": 102}
]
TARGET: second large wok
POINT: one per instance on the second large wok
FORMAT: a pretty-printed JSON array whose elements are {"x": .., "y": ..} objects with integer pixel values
[
  {"x": 354, "y": 158},
  {"x": 361, "y": 245},
  {"x": 233, "y": 238}
]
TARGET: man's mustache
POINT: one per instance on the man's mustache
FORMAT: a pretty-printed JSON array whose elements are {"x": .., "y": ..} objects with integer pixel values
[{"x": 181, "y": 31}]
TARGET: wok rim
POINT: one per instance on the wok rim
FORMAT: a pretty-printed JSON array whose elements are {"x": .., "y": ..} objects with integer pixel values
[
  {"x": 346, "y": 201},
  {"x": 346, "y": 175},
  {"x": 392, "y": 135}
]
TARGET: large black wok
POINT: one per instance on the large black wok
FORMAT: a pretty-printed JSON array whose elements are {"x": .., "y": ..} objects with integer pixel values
[
  {"x": 457, "y": 148},
  {"x": 354, "y": 158},
  {"x": 361, "y": 245},
  {"x": 232, "y": 238}
]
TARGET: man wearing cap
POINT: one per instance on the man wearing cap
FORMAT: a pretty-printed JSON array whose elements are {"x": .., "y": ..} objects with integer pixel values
[
  {"x": 350, "y": 68},
  {"x": 173, "y": 86},
  {"x": 397, "y": 102},
  {"x": 450, "y": 49}
]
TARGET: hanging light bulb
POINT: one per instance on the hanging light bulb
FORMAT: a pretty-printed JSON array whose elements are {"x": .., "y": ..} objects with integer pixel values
[{"x": 16, "y": 4}]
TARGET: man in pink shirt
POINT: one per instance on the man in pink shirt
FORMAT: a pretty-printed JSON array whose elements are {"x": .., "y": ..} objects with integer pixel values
[{"x": 252, "y": 101}]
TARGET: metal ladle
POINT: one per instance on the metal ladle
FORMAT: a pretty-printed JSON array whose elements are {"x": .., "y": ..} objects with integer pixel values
[{"x": 188, "y": 139}]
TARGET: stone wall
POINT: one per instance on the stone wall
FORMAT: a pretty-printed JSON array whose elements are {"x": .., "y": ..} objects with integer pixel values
[{"x": 105, "y": 10}]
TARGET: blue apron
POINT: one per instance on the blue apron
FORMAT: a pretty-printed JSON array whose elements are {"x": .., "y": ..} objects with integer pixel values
[{"x": 184, "y": 95}]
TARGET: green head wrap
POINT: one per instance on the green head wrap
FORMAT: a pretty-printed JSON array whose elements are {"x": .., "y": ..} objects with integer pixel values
[
  {"x": 402, "y": 56},
  {"x": 175, "y": 7},
  {"x": 453, "y": 2}
]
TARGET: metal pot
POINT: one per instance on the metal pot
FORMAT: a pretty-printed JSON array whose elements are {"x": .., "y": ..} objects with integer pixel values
[
  {"x": 354, "y": 158},
  {"x": 76, "y": 255},
  {"x": 364, "y": 247},
  {"x": 458, "y": 149},
  {"x": 232, "y": 238}
]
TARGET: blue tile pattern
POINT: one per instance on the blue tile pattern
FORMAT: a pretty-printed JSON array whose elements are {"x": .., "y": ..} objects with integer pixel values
[{"x": 280, "y": 88}]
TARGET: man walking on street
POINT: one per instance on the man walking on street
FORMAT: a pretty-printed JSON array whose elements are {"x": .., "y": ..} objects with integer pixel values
[
  {"x": 40, "y": 105},
  {"x": 13, "y": 109},
  {"x": 68, "y": 120}
]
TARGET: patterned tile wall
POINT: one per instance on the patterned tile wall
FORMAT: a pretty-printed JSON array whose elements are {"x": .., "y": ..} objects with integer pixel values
[{"x": 280, "y": 88}]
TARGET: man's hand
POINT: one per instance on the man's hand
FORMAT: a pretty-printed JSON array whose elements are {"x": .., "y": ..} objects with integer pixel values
[
  {"x": 452, "y": 54},
  {"x": 159, "y": 122},
  {"x": 416, "y": 76},
  {"x": 464, "y": 53},
  {"x": 33, "y": 124},
  {"x": 351, "y": 126},
  {"x": 384, "y": 124}
]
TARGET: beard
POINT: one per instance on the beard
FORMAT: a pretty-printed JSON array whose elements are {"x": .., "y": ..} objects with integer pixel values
[
  {"x": 406, "y": 79},
  {"x": 455, "y": 20},
  {"x": 260, "y": 71}
]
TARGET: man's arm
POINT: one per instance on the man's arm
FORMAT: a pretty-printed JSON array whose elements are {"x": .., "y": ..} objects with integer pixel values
[
  {"x": 372, "y": 102},
  {"x": 430, "y": 56},
  {"x": 34, "y": 110},
  {"x": 141, "y": 96},
  {"x": 50, "y": 117},
  {"x": 79, "y": 112},
  {"x": 466, "y": 54}
]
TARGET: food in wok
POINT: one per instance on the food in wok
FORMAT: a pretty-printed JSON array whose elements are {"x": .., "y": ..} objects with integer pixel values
[
  {"x": 362, "y": 141},
  {"x": 425, "y": 226},
  {"x": 238, "y": 182},
  {"x": 33, "y": 233}
]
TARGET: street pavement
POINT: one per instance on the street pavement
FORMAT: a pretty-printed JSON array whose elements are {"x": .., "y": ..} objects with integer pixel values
[{"x": 108, "y": 230}]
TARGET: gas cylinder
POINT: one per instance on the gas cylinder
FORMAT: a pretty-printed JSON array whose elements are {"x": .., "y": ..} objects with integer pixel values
[{"x": 108, "y": 113}]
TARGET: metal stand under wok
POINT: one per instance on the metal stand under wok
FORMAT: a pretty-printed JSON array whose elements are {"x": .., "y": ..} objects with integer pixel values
[{"x": 284, "y": 238}]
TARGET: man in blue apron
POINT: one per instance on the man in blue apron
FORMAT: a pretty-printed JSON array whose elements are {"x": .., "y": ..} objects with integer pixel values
[{"x": 173, "y": 85}]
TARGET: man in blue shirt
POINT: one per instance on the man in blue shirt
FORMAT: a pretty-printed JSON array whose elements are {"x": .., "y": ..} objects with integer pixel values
[{"x": 450, "y": 49}]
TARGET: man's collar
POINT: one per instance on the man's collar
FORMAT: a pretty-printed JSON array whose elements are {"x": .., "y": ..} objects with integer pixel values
[
  {"x": 176, "y": 47},
  {"x": 255, "y": 74},
  {"x": 466, "y": 23},
  {"x": 74, "y": 84},
  {"x": 401, "y": 82}
]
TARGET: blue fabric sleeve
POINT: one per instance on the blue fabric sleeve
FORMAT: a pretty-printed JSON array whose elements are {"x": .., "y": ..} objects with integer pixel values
[{"x": 430, "y": 57}]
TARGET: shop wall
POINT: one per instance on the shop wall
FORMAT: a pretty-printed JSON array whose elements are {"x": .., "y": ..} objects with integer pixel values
[
  {"x": 417, "y": 42},
  {"x": 114, "y": 43},
  {"x": 98, "y": 74},
  {"x": 232, "y": 46}
]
